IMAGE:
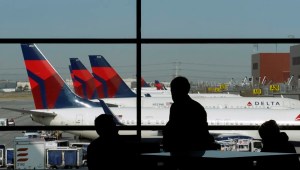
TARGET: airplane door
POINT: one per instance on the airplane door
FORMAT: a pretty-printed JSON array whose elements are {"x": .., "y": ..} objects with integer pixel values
[{"x": 79, "y": 119}]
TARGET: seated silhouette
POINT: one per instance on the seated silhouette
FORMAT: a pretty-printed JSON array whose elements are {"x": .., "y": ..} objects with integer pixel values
[
  {"x": 109, "y": 151},
  {"x": 275, "y": 141}
]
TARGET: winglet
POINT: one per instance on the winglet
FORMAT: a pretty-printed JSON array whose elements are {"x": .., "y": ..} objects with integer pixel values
[{"x": 109, "y": 112}]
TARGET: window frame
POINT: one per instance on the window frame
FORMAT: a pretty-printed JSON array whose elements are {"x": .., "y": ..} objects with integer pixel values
[{"x": 138, "y": 41}]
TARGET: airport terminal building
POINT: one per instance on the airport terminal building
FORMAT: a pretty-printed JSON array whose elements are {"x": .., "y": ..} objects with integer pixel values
[
  {"x": 275, "y": 67},
  {"x": 295, "y": 65}
]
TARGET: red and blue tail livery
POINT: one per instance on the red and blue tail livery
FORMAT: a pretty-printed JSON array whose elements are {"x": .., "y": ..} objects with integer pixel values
[
  {"x": 159, "y": 86},
  {"x": 48, "y": 88},
  {"x": 144, "y": 83},
  {"x": 83, "y": 77},
  {"x": 76, "y": 85},
  {"x": 113, "y": 85}
]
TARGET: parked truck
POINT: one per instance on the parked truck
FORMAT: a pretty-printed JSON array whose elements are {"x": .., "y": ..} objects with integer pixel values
[{"x": 7, "y": 122}]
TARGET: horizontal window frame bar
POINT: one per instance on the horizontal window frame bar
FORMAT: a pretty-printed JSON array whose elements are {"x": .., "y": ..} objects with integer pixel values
[
  {"x": 85, "y": 128},
  {"x": 152, "y": 40}
]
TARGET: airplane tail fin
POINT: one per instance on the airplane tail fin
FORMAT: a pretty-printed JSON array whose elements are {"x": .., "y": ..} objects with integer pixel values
[
  {"x": 76, "y": 85},
  {"x": 144, "y": 83},
  {"x": 113, "y": 85},
  {"x": 84, "y": 78},
  {"x": 48, "y": 88},
  {"x": 159, "y": 86}
]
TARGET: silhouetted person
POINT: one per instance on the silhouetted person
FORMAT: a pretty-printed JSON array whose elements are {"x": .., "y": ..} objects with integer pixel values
[
  {"x": 109, "y": 151},
  {"x": 187, "y": 128},
  {"x": 275, "y": 141}
]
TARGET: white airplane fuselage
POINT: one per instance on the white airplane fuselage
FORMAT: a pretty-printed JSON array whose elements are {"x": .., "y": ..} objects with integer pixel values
[
  {"x": 160, "y": 116},
  {"x": 153, "y": 92},
  {"x": 211, "y": 102}
]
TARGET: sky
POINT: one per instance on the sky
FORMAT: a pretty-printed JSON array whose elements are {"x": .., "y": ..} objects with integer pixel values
[{"x": 160, "y": 19}]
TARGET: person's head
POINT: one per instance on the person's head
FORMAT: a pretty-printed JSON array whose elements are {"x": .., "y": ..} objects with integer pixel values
[
  {"x": 180, "y": 87},
  {"x": 105, "y": 125},
  {"x": 269, "y": 130}
]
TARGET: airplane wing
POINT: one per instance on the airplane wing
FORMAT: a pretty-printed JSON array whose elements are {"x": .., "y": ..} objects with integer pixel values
[
  {"x": 35, "y": 113},
  {"x": 109, "y": 112}
]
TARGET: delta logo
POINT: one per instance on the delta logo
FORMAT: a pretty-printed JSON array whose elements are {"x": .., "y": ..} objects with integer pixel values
[
  {"x": 264, "y": 103},
  {"x": 297, "y": 118}
]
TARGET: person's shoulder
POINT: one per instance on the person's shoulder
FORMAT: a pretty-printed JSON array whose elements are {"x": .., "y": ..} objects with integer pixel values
[
  {"x": 94, "y": 142},
  {"x": 197, "y": 104}
]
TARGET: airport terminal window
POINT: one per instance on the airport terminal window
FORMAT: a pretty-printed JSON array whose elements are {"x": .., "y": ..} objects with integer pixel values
[
  {"x": 296, "y": 60},
  {"x": 160, "y": 44},
  {"x": 179, "y": 46},
  {"x": 255, "y": 66}
]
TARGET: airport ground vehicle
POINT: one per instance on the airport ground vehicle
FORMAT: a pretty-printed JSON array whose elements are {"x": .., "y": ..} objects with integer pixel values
[
  {"x": 3, "y": 122},
  {"x": 6, "y": 157},
  {"x": 2, "y": 155},
  {"x": 32, "y": 134},
  {"x": 7, "y": 122},
  {"x": 63, "y": 157},
  {"x": 239, "y": 143},
  {"x": 11, "y": 122},
  {"x": 9, "y": 158},
  {"x": 29, "y": 153},
  {"x": 83, "y": 146}
]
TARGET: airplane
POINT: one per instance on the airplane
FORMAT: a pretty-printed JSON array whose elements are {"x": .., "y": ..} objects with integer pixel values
[
  {"x": 56, "y": 104},
  {"x": 144, "y": 83},
  {"x": 103, "y": 71},
  {"x": 83, "y": 77},
  {"x": 85, "y": 80},
  {"x": 153, "y": 92},
  {"x": 77, "y": 86},
  {"x": 159, "y": 86},
  {"x": 113, "y": 84},
  {"x": 213, "y": 103},
  {"x": 101, "y": 68}
]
